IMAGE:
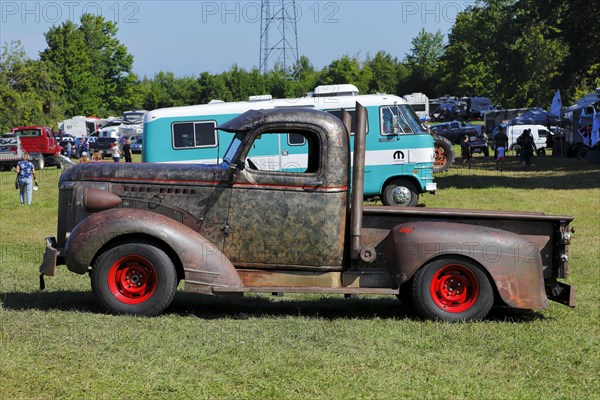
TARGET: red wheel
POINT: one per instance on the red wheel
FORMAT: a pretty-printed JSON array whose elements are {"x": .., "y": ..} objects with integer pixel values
[
  {"x": 452, "y": 289},
  {"x": 444, "y": 154},
  {"x": 132, "y": 279}
]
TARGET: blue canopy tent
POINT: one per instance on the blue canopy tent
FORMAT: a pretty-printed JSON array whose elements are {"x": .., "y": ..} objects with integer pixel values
[{"x": 538, "y": 116}]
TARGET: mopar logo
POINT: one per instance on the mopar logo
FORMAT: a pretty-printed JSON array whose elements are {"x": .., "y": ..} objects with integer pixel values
[{"x": 398, "y": 155}]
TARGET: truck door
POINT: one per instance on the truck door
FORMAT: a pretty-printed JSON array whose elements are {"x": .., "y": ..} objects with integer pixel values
[{"x": 291, "y": 217}]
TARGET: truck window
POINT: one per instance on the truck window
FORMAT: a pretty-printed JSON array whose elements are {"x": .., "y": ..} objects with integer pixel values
[
  {"x": 542, "y": 133},
  {"x": 266, "y": 153},
  {"x": 28, "y": 132},
  {"x": 188, "y": 135}
]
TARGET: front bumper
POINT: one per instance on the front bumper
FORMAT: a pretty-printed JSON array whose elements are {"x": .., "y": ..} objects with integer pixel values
[
  {"x": 431, "y": 187},
  {"x": 49, "y": 261},
  {"x": 560, "y": 292}
]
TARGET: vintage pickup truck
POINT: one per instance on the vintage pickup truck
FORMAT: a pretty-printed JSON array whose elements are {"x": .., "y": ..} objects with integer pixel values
[
  {"x": 232, "y": 228},
  {"x": 455, "y": 131}
]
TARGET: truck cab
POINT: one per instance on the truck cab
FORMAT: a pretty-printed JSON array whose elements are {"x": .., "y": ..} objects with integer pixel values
[
  {"x": 41, "y": 145},
  {"x": 237, "y": 227}
]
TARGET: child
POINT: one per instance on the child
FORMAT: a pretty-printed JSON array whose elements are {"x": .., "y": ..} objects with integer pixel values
[{"x": 500, "y": 158}]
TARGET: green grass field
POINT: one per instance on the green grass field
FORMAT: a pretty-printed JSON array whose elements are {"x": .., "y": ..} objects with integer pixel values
[{"x": 56, "y": 343}]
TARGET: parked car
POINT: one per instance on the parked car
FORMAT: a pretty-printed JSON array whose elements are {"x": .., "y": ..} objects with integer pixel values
[
  {"x": 63, "y": 143},
  {"x": 540, "y": 135},
  {"x": 136, "y": 147},
  {"x": 479, "y": 144},
  {"x": 455, "y": 131}
]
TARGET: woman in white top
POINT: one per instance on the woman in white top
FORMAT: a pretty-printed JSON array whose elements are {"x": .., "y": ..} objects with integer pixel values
[{"x": 116, "y": 152}]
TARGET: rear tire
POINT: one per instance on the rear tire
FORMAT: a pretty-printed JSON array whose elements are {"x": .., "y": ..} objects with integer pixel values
[
  {"x": 400, "y": 193},
  {"x": 581, "y": 152},
  {"x": 452, "y": 289},
  {"x": 40, "y": 163},
  {"x": 134, "y": 278},
  {"x": 444, "y": 154}
]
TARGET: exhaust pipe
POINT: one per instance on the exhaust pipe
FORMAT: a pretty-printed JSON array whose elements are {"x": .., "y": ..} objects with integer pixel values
[{"x": 358, "y": 182}]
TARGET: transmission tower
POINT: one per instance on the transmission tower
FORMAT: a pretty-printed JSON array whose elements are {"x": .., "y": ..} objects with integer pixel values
[{"x": 279, "y": 37}]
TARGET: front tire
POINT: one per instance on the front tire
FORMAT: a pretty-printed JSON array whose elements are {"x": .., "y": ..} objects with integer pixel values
[
  {"x": 134, "y": 278},
  {"x": 452, "y": 289},
  {"x": 400, "y": 193},
  {"x": 444, "y": 154}
]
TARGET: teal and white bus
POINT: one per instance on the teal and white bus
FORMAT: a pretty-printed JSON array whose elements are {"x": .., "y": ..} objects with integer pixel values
[{"x": 399, "y": 152}]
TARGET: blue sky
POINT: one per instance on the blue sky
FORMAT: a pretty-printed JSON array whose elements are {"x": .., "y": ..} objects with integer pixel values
[{"x": 190, "y": 37}]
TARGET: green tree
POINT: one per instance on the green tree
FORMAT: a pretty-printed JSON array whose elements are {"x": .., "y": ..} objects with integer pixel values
[
  {"x": 423, "y": 61},
  {"x": 384, "y": 73},
  {"x": 27, "y": 90},
  {"x": 92, "y": 66}
]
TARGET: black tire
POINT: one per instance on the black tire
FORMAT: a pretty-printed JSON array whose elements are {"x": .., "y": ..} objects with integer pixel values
[
  {"x": 40, "y": 163},
  {"x": 444, "y": 154},
  {"x": 134, "y": 278},
  {"x": 400, "y": 193},
  {"x": 452, "y": 289},
  {"x": 581, "y": 152},
  {"x": 541, "y": 152},
  {"x": 517, "y": 149}
]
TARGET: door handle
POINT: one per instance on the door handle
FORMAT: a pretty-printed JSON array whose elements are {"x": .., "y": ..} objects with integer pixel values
[{"x": 312, "y": 185}]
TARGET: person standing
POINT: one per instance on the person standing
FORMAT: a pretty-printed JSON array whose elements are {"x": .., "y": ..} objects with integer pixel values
[
  {"x": 116, "y": 152},
  {"x": 465, "y": 151},
  {"x": 500, "y": 145},
  {"x": 69, "y": 148},
  {"x": 527, "y": 144},
  {"x": 26, "y": 177},
  {"x": 127, "y": 151}
]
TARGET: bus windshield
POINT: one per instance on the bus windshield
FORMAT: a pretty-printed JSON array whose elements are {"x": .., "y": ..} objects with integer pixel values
[{"x": 400, "y": 120}]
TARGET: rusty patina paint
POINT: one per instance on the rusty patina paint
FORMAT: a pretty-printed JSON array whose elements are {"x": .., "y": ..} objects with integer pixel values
[{"x": 203, "y": 264}]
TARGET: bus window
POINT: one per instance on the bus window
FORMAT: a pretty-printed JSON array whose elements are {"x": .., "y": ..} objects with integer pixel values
[{"x": 187, "y": 135}]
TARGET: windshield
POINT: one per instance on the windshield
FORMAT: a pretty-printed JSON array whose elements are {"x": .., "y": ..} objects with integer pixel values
[
  {"x": 399, "y": 120},
  {"x": 233, "y": 148}
]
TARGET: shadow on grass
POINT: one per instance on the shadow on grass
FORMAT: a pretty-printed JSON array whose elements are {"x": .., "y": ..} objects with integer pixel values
[{"x": 254, "y": 306}]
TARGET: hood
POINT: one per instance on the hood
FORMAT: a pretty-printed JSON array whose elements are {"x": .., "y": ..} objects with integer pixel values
[{"x": 183, "y": 174}]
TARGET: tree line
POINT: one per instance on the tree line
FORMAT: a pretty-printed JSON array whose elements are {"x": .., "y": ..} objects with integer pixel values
[{"x": 515, "y": 52}]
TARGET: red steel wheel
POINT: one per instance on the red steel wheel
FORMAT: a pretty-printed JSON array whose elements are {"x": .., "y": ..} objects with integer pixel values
[
  {"x": 136, "y": 278},
  {"x": 452, "y": 289},
  {"x": 132, "y": 279}
]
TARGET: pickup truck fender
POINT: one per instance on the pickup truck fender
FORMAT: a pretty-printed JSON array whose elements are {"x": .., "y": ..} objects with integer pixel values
[
  {"x": 203, "y": 265},
  {"x": 513, "y": 263}
]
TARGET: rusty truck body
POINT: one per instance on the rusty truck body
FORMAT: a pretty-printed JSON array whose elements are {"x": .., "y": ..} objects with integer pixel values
[{"x": 138, "y": 229}]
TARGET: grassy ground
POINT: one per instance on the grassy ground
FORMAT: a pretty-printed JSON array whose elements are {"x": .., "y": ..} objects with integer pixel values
[{"x": 55, "y": 344}]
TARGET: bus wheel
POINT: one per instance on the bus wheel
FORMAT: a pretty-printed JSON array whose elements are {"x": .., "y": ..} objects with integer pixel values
[
  {"x": 400, "y": 192},
  {"x": 451, "y": 289},
  {"x": 134, "y": 278},
  {"x": 444, "y": 154}
]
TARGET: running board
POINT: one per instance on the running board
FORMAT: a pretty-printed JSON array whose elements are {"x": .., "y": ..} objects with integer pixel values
[{"x": 303, "y": 289}]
